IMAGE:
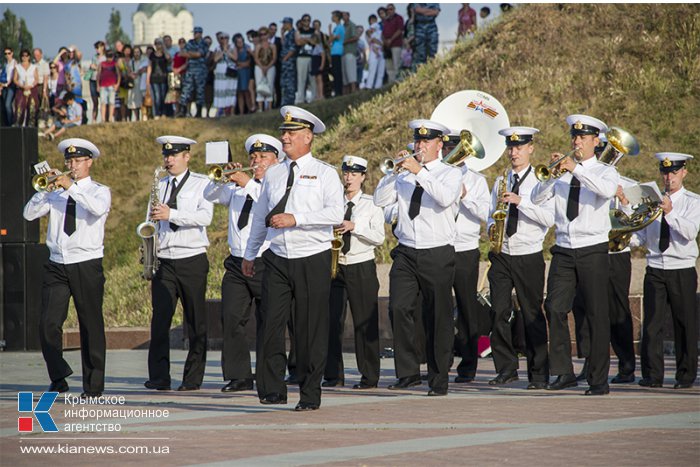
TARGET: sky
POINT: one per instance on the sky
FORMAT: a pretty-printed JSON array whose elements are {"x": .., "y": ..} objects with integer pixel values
[{"x": 81, "y": 24}]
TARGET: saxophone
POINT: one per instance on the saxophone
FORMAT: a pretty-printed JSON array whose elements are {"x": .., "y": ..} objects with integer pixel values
[
  {"x": 499, "y": 216},
  {"x": 336, "y": 245},
  {"x": 148, "y": 231}
]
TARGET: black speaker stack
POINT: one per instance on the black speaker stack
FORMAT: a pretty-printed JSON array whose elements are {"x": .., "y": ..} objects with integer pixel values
[{"x": 22, "y": 257}]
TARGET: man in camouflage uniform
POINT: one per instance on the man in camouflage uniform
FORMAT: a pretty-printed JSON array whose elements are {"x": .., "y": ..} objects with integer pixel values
[
  {"x": 196, "y": 75},
  {"x": 426, "y": 32},
  {"x": 288, "y": 78}
]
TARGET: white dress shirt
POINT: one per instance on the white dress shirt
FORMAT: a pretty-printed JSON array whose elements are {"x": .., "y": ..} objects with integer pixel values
[
  {"x": 92, "y": 204},
  {"x": 473, "y": 210},
  {"x": 533, "y": 220},
  {"x": 592, "y": 225},
  {"x": 624, "y": 183},
  {"x": 192, "y": 216},
  {"x": 368, "y": 232},
  {"x": 435, "y": 225},
  {"x": 684, "y": 223},
  {"x": 315, "y": 200},
  {"x": 234, "y": 197}
]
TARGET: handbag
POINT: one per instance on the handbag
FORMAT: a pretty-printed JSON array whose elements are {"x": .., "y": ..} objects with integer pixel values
[
  {"x": 231, "y": 72},
  {"x": 174, "y": 80},
  {"x": 263, "y": 87},
  {"x": 148, "y": 100}
]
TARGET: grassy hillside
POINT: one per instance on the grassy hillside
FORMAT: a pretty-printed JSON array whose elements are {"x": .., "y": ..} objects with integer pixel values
[{"x": 633, "y": 66}]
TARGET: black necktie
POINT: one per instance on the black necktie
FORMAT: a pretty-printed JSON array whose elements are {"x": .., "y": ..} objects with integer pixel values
[
  {"x": 69, "y": 219},
  {"x": 279, "y": 208},
  {"x": 414, "y": 208},
  {"x": 172, "y": 201},
  {"x": 245, "y": 212},
  {"x": 512, "y": 224},
  {"x": 346, "y": 235},
  {"x": 572, "y": 202},
  {"x": 665, "y": 236}
]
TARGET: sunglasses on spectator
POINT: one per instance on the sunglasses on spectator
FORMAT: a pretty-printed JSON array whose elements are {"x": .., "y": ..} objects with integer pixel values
[{"x": 8, "y": 53}]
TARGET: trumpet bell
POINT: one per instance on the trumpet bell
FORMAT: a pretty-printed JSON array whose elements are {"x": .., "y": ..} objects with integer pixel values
[
  {"x": 387, "y": 166},
  {"x": 542, "y": 173},
  {"x": 215, "y": 173},
  {"x": 40, "y": 182}
]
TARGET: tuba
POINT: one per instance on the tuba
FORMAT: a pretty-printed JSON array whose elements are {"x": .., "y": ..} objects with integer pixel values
[
  {"x": 336, "y": 245},
  {"x": 469, "y": 146},
  {"x": 496, "y": 233},
  {"x": 148, "y": 231}
]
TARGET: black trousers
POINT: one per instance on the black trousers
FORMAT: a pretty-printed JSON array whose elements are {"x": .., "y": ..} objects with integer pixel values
[
  {"x": 621, "y": 328},
  {"x": 84, "y": 282},
  {"x": 586, "y": 270},
  {"x": 305, "y": 284},
  {"x": 674, "y": 288},
  {"x": 525, "y": 273},
  {"x": 468, "y": 308},
  {"x": 430, "y": 272},
  {"x": 238, "y": 293},
  {"x": 185, "y": 279},
  {"x": 358, "y": 285}
]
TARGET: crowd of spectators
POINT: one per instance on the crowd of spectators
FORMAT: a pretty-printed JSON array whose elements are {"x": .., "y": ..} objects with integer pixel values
[{"x": 208, "y": 77}]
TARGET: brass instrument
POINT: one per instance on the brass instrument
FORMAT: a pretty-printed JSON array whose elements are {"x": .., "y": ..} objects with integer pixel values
[
  {"x": 148, "y": 231},
  {"x": 45, "y": 182},
  {"x": 620, "y": 143},
  {"x": 623, "y": 225},
  {"x": 469, "y": 146},
  {"x": 218, "y": 174},
  {"x": 336, "y": 245},
  {"x": 497, "y": 231},
  {"x": 388, "y": 165},
  {"x": 545, "y": 172}
]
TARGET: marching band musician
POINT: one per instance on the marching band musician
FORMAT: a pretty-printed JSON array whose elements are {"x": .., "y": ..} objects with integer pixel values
[
  {"x": 239, "y": 291},
  {"x": 300, "y": 202},
  {"x": 473, "y": 209},
  {"x": 580, "y": 256},
  {"x": 671, "y": 277},
  {"x": 427, "y": 191},
  {"x": 520, "y": 265},
  {"x": 183, "y": 216},
  {"x": 75, "y": 237},
  {"x": 356, "y": 282}
]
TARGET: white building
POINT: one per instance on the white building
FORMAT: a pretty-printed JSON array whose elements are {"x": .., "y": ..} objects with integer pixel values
[{"x": 153, "y": 20}]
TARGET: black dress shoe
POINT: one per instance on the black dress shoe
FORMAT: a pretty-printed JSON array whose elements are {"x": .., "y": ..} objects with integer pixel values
[
  {"x": 584, "y": 372},
  {"x": 437, "y": 392},
  {"x": 274, "y": 398},
  {"x": 188, "y": 387},
  {"x": 598, "y": 390},
  {"x": 680, "y": 385},
  {"x": 464, "y": 379},
  {"x": 648, "y": 383},
  {"x": 157, "y": 386},
  {"x": 291, "y": 379},
  {"x": 425, "y": 377},
  {"x": 563, "y": 382},
  {"x": 331, "y": 383},
  {"x": 537, "y": 385},
  {"x": 86, "y": 394},
  {"x": 504, "y": 378},
  {"x": 406, "y": 382},
  {"x": 362, "y": 385},
  {"x": 622, "y": 379},
  {"x": 305, "y": 406},
  {"x": 236, "y": 385},
  {"x": 58, "y": 386}
]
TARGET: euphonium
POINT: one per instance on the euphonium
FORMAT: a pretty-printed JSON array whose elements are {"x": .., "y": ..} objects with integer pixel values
[
  {"x": 148, "y": 231},
  {"x": 45, "y": 181},
  {"x": 336, "y": 245},
  {"x": 545, "y": 172},
  {"x": 499, "y": 216},
  {"x": 623, "y": 226},
  {"x": 620, "y": 143}
]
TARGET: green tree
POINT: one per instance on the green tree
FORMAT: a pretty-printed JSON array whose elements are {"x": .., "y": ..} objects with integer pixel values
[
  {"x": 14, "y": 33},
  {"x": 116, "y": 33}
]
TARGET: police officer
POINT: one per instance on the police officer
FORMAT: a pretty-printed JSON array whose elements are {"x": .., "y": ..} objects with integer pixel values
[
  {"x": 671, "y": 277},
  {"x": 356, "y": 281},
  {"x": 77, "y": 211},
  {"x": 239, "y": 291},
  {"x": 301, "y": 201},
  {"x": 195, "y": 77},
  {"x": 426, "y": 32},
  {"x": 427, "y": 191},
  {"x": 183, "y": 216},
  {"x": 580, "y": 257},
  {"x": 288, "y": 76},
  {"x": 472, "y": 210},
  {"x": 519, "y": 265}
]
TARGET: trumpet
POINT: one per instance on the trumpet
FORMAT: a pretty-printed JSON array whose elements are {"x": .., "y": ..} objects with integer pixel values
[
  {"x": 218, "y": 174},
  {"x": 45, "y": 182},
  {"x": 545, "y": 172},
  {"x": 388, "y": 165}
]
